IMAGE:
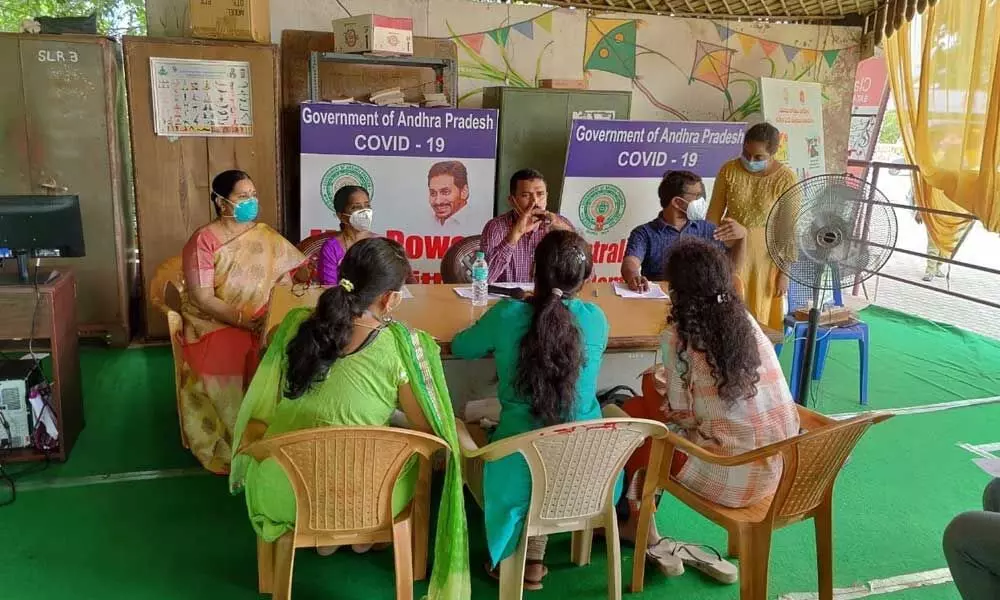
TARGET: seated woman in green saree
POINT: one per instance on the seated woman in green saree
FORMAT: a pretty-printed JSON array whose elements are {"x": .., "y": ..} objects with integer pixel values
[{"x": 347, "y": 363}]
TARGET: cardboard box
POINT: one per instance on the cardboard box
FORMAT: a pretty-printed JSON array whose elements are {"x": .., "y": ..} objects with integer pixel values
[
  {"x": 373, "y": 33},
  {"x": 564, "y": 84},
  {"x": 240, "y": 20}
]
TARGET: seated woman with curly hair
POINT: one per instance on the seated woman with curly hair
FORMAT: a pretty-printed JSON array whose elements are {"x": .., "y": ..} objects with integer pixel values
[{"x": 721, "y": 387}]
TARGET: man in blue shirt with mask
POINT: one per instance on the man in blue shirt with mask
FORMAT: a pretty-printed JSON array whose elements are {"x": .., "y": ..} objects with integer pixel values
[{"x": 682, "y": 198}]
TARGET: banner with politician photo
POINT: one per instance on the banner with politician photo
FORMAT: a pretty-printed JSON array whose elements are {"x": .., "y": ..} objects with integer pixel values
[
  {"x": 429, "y": 172},
  {"x": 613, "y": 169}
]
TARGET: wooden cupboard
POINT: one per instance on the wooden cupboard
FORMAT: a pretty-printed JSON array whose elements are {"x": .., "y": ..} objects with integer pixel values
[
  {"x": 173, "y": 174},
  {"x": 62, "y": 131}
]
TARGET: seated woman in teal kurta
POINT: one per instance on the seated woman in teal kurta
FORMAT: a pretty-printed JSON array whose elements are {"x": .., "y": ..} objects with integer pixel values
[
  {"x": 348, "y": 364},
  {"x": 548, "y": 354}
]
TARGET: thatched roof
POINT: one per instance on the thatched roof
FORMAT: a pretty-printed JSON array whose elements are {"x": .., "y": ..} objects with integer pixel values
[{"x": 881, "y": 16}]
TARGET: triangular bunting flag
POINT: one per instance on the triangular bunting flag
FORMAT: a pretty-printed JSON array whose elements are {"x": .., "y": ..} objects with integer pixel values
[
  {"x": 831, "y": 56},
  {"x": 724, "y": 32},
  {"x": 809, "y": 55},
  {"x": 500, "y": 36},
  {"x": 747, "y": 42},
  {"x": 525, "y": 28},
  {"x": 768, "y": 47},
  {"x": 790, "y": 52},
  {"x": 544, "y": 21},
  {"x": 475, "y": 41}
]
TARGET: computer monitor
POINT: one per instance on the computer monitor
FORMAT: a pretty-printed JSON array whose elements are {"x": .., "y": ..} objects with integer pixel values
[{"x": 40, "y": 227}]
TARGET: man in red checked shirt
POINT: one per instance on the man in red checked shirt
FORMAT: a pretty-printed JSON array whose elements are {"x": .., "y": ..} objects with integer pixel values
[{"x": 509, "y": 241}]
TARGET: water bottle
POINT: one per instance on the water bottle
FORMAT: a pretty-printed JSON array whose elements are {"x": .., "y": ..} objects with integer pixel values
[{"x": 480, "y": 280}]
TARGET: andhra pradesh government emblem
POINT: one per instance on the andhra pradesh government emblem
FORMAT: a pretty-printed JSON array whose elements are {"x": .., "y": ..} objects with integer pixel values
[
  {"x": 340, "y": 175},
  {"x": 602, "y": 207}
]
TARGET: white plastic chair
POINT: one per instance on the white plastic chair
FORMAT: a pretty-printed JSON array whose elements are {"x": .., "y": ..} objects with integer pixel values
[{"x": 573, "y": 472}]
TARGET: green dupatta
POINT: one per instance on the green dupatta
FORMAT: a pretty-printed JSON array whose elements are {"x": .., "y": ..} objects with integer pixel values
[{"x": 450, "y": 576}]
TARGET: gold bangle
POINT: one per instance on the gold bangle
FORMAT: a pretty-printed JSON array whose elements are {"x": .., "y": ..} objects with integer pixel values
[{"x": 239, "y": 317}]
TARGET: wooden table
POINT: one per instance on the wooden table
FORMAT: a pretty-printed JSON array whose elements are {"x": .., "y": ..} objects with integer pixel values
[
  {"x": 636, "y": 324},
  {"x": 55, "y": 321}
]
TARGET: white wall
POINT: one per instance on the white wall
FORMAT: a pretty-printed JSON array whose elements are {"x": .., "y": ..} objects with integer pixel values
[{"x": 670, "y": 79}]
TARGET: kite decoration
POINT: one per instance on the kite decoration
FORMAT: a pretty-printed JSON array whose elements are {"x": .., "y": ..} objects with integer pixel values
[
  {"x": 610, "y": 46},
  {"x": 712, "y": 65}
]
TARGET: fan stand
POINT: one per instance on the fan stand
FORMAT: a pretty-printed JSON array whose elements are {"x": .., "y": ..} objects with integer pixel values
[{"x": 805, "y": 373}]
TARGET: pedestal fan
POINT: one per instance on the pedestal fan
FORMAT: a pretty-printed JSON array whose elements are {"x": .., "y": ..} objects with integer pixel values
[{"x": 825, "y": 233}]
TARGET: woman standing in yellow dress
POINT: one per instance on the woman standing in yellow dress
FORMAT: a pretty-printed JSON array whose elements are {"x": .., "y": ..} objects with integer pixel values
[{"x": 745, "y": 190}]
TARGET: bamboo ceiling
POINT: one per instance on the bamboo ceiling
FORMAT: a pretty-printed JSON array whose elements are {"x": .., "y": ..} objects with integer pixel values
[{"x": 882, "y": 16}]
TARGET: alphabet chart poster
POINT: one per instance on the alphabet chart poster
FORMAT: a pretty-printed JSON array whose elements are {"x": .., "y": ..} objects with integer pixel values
[{"x": 209, "y": 98}]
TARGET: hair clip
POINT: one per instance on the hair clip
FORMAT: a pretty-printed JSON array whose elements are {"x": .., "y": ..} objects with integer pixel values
[
  {"x": 347, "y": 285},
  {"x": 557, "y": 292},
  {"x": 720, "y": 298}
]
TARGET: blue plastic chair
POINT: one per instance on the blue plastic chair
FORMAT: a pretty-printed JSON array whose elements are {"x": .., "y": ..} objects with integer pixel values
[{"x": 799, "y": 296}]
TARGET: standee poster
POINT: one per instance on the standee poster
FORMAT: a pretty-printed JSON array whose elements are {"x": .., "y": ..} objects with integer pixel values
[
  {"x": 871, "y": 91},
  {"x": 429, "y": 172},
  {"x": 613, "y": 169},
  {"x": 796, "y": 109}
]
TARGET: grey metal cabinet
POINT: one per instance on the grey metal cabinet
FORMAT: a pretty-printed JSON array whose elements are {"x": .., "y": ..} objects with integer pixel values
[
  {"x": 61, "y": 126},
  {"x": 534, "y": 130}
]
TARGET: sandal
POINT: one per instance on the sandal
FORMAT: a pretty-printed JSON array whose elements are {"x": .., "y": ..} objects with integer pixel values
[
  {"x": 529, "y": 585},
  {"x": 532, "y": 563},
  {"x": 705, "y": 558},
  {"x": 661, "y": 554}
]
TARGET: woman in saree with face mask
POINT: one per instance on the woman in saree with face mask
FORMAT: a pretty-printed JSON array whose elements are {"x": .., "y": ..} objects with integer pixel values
[
  {"x": 745, "y": 190},
  {"x": 347, "y": 363},
  {"x": 354, "y": 208},
  {"x": 230, "y": 266}
]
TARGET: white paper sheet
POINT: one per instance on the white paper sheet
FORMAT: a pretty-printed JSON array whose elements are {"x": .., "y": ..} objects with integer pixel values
[
  {"x": 990, "y": 465},
  {"x": 655, "y": 292},
  {"x": 406, "y": 292},
  {"x": 466, "y": 292}
]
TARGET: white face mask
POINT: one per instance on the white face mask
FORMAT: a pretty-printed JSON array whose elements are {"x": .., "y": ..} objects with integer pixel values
[
  {"x": 697, "y": 210},
  {"x": 361, "y": 219}
]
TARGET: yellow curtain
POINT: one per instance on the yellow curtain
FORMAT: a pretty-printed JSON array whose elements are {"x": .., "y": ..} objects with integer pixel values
[{"x": 943, "y": 68}]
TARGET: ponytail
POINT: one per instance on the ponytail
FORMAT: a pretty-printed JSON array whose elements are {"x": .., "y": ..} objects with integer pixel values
[
  {"x": 551, "y": 353},
  {"x": 371, "y": 268},
  {"x": 320, "y": 341},
  {"x": 550, "y": 359}
]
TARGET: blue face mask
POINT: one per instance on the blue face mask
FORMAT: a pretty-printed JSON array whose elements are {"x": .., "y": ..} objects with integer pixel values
[
  {"x": 246, "y": 210},
  {"x": 754, "y": 166}
]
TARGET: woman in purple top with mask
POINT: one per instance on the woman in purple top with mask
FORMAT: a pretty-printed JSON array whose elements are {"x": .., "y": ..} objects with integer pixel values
[{"x": 354, "y": 208}]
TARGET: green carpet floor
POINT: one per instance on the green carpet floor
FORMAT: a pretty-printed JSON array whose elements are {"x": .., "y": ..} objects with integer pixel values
[
  {"x": 186, "y": 537},
  {"x": 912, "y": 362}
]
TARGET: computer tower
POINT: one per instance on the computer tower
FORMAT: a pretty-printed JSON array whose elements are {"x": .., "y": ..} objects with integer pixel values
[{"x": 17, "y": 377}]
